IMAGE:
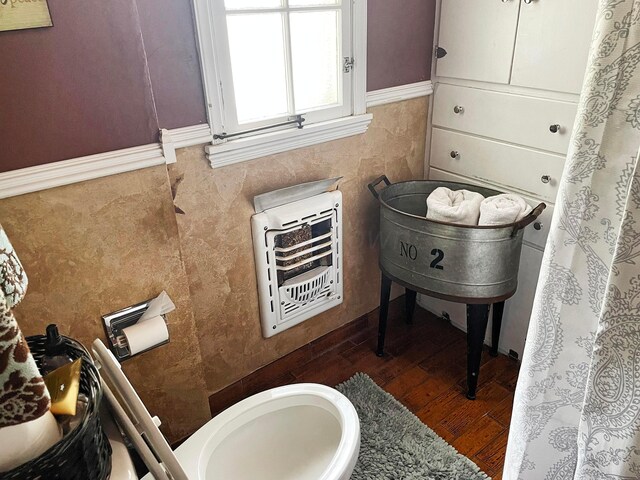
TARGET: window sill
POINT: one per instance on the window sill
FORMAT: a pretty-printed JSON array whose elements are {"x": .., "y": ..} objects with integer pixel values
[{"x": 242, "y": 149}]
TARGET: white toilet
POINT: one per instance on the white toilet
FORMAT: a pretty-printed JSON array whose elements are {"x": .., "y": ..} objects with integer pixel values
[{"x": 303, "y": 432}]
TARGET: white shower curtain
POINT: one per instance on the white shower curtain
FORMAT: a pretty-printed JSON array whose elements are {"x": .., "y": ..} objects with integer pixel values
[{"x": 577, "y": 408}]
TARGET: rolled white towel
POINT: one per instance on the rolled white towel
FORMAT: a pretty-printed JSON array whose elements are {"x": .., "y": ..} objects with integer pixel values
[
  {"x": 503, "y": 209},
  {"x": 460, "y": 206}
]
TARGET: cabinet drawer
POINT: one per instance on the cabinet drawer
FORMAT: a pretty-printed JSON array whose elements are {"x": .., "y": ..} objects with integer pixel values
[
  {"x": 532, "y": 236},
  {"x": 498, "y": 163},
  {"x": 503, "y": 116}
]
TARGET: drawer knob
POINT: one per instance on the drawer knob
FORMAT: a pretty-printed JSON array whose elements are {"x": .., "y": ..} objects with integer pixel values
[
  {"x": 545, "y": 178},
  {"x": 555, "y": 128},
  {"x": 528, "y": 1},
  {"x": 455, "y": 154},
  {"x": 538, "y": 225},
  {"x": 458, "y": 109}
]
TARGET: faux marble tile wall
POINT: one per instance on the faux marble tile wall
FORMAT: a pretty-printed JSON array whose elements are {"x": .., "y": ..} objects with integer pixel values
[{"x": 98, "y": 246}]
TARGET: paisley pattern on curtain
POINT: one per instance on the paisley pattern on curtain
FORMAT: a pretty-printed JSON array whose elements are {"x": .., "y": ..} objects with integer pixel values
[{"x": 577, "y": 408}]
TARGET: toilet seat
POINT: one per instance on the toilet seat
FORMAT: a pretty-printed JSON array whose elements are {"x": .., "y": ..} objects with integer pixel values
[{"x": 302, "y": 431}]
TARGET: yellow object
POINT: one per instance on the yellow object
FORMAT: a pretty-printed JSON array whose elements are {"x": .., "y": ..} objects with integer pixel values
[{"x": 63, "y": 385}]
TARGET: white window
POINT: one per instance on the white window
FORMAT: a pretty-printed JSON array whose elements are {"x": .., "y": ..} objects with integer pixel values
[{"x": 270, "y": 66}]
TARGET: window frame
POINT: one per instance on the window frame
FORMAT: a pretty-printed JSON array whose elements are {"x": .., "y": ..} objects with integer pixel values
[{"x": 353, "y": 119}]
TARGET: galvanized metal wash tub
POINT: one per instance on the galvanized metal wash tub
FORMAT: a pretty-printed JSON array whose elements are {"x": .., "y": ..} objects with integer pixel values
[{"x": 461, "y": 263}]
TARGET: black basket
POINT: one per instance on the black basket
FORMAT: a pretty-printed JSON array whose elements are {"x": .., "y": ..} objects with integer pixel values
[{"x": 85, "y": 452}]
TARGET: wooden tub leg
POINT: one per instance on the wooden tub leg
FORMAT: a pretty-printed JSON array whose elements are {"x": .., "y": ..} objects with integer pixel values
[
  {"x": 477, "y": 320},
  {"x": 385, "y": 293},
  {"x": 496, "y": 325},
  {"x": 410, "y": 304}
]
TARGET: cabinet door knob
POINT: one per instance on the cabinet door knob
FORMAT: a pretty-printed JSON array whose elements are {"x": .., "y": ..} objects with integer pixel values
[
  {"x": 538, "y": 225},
  {"x": 545, "y": 178},
  {"x": 458, "y": 109},
  {"x": 554, "y": 128},
  {"x": 455, "y": 154},
  {"x": 528, "y": 1}
]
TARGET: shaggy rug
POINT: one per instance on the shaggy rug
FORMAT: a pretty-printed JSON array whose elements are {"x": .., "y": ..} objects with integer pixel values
[{"x": 396, "y": 445}]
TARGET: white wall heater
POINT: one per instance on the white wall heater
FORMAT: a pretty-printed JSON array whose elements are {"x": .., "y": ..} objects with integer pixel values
[{"x": 297, "y": 241}]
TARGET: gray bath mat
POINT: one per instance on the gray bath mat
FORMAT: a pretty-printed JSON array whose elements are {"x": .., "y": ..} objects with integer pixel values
[{"x": 396, "y": 445}]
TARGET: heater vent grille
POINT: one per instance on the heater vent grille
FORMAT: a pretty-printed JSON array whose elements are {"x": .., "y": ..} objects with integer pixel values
[
  {"x": 298, "y": 261},
  {"x": 305, "y": 290}
]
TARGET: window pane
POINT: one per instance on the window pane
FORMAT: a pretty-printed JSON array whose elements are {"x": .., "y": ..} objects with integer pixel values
[
  {"x": 306, "y": 3},
  {"x": 244, "y": 4},
  {"x": 315, "y": 54},
  {"x": 256, "y": 44}
]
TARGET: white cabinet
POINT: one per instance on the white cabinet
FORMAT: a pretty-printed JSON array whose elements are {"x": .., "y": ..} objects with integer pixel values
[
  {"x": 471, "y": 53},
  {"x": 552, "y": 45},
  {"x": 541, "y": 44},
  {"x": 504, "y": 105}
]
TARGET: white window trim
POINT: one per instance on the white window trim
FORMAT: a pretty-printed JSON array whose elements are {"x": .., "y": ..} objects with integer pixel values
[{"x": 247, "y": 148}]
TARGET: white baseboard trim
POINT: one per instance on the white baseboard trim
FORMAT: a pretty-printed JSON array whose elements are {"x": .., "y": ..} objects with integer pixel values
[
  {"x": 42, "y": 177},
  {"x": 397, "y": 94},
  {"x": 242, "y": 149}
]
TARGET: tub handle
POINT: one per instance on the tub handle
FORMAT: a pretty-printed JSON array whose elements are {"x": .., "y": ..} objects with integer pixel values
[
  {"x": 535, "y": 213},
  {"x": 374, "y": 184}
]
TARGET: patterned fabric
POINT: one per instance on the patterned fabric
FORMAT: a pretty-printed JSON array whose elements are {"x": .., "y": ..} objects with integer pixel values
[
  {"x": 577, "y": 408},
  {"x": 13, "y": 279},
  {"x": 23, "y": 395}
]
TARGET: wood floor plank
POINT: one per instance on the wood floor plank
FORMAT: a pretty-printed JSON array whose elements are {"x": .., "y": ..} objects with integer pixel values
[
  {"x": 426, "y": 392},
  {"x": 438, "y": 409},
  {"x": 477, "y": 435},
  {"x": 492, "y": 455},
  {"x": 502, "y": 412},
  {"x": 458, "y": 419},
  {"x": 406, "y": 381},
  {"x": 330, "y": 369}
]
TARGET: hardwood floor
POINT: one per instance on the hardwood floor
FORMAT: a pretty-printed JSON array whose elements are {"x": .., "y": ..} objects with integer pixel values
[{"x": 424, "y": 368}]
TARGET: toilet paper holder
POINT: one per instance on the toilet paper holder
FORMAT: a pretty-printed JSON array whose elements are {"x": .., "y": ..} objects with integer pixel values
[{"x": 117, "y": 321}]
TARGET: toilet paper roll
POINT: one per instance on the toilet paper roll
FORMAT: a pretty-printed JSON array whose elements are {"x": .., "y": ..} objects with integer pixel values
[{"x": 147, "y": 334}]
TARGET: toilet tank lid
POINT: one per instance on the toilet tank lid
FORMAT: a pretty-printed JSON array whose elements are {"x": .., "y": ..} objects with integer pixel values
[{"x": 134, "y": 418}]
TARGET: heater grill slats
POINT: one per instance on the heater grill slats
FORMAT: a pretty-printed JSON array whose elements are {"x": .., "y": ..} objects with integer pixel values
[
  {"x": 303, "y": 244},
  {"x": 304, "y": 261},
  {"x": 315, "y": 248}
]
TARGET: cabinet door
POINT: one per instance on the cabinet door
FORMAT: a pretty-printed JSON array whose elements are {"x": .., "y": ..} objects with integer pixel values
[
  {"x": 553, "y": 43},
  {"x": 478, "y": 36}
]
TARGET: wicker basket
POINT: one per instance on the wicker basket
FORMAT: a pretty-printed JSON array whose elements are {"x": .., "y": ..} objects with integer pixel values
[{"x": 84, "y": 453}]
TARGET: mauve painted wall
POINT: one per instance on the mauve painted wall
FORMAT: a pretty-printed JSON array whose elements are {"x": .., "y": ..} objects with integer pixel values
[
  {"x": 78, "y": 88},
  {"x": 172, "y": 55},
  {"x": 400, "y": 42},
  {"x": 109, "y": 74}
]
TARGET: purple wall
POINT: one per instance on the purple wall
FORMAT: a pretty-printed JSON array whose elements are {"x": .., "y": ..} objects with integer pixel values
[
  {"x": 109, "y": 74},
  {"x": 74, "y": 89},
  {"x": 90, "y": 83},
  {"x": 172, "y": 55},
  {"x": 400, "y": 42}
]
